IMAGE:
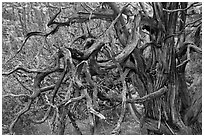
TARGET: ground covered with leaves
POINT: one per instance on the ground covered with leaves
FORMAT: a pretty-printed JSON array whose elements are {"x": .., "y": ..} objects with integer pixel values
[{"x": 102, "y": 68}]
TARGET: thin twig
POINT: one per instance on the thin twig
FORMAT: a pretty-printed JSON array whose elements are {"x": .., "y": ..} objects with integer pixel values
[
  {"x": 13, "y": 95},
  {"x": 74, "y": 99},
  {"x": 22, "y": 84},
  {"x": 192, "y": 23},
  {"x": 176, "y": 10}
]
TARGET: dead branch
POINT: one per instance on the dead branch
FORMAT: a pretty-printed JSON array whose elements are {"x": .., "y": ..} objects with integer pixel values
[
  {"x": 133, "y": 109},
  {"x": 17, "y": 68},
  {"x": 27, "y": 37},
  {"x": 44, "y": 89},
  {"x": 152, "y": 125},
  {"x": 192, "y": 23},
  {"x": 22, "y": 84},
  {"x": 176, "y": 10},
  {"x": 143, "y": 99},
  {"x": 94, "y": 48},
  {"x": 181, "y": 66},
  {"x": 116, "y": 130},
  {"x": 74, "y": 100},
  {"x": 13, "y": 95},
  {"x": 116, "y": 12},
  {"x": 106, "y": 15},
  {"x": 47, "y": 114},
  {"x": 57, "y": 85},
  {"x": 23, "y": 111},
  {"x": 89, "y": 100},
  {"x": 53, "y": 18},
  {"x": 175, "y": 118},
  {"x": 122, "y": 56},
  {"x": 73, "y": 121}
]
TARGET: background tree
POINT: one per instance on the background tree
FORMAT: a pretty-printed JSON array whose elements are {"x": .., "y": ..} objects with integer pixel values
[{"x": 60, "y": 58}]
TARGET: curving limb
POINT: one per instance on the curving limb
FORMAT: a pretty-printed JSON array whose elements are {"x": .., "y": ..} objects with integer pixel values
[
  {"x": 53, "y": 18},
  {"x": 116, "y": 48},
  {"x": 47, "y": 114},
  {"x": 23, "y": 111},
  {"x": 57, "y": 85},
  {"x": 116, "y": 130},
  {"x": 17, "y": 68},
  {"x": 122, "y": 56}
]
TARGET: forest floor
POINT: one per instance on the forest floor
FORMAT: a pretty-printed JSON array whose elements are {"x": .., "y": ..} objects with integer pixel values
[{"x": 129, "y": 127}]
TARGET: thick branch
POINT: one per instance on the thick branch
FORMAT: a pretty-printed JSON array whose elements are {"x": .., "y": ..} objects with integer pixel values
[
  {"x": 124, "y": 92},
  {"x": 143, "y": 99},
  {"x": 150, "y": 96},
  {"x": 122, "y": 22},
  {"x": 39, "y": 77},
  {"x": 94, "y": 48},
  {"x": 122, "y": 56},
  {"x": 57, "y": 85}
]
